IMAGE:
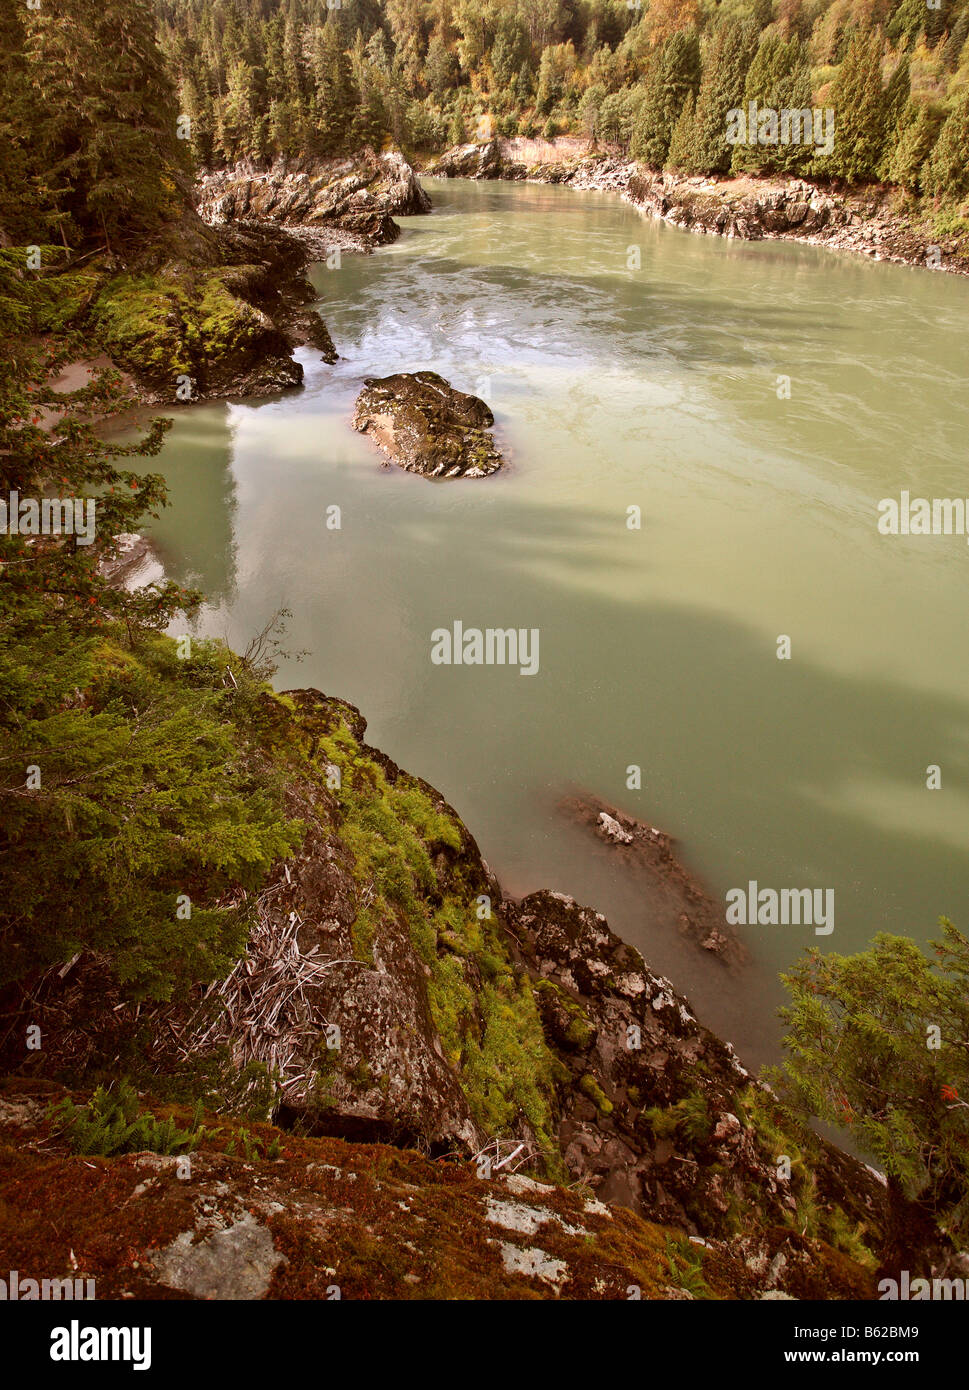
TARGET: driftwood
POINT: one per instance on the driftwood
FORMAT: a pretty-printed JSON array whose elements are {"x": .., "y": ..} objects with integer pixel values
[{"x": 267, "y": 1012}]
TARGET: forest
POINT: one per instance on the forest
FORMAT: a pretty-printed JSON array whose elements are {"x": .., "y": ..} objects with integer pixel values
[{"x": 655, "y": 80}]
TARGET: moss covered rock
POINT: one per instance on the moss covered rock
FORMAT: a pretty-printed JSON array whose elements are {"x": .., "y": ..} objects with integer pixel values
[{"x": 423, "y": 424}]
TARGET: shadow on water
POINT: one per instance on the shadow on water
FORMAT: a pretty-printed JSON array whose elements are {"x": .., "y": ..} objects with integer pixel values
[
  {"x": 762, "y": 769},
  {"x": 742, "y": 765},
  {"x": 195, "y": 537}
]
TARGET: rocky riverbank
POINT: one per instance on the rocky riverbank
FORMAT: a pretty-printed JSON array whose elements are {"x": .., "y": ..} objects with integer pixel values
[
  {"x": 877, "y": 222},
  {"x": 392, "y": 995},
  {"x": 215, "y": 305},
  {"x": 349, "y": 203}
]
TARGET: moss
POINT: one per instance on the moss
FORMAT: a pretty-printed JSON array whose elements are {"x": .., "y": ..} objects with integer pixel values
[
  {"x": 139, "y": 322},
  {"x": 579, "y": 1032},
  {"x": 223, "y": 325},
  {"x": 663, "y": 1122},
  {"x": 165, "y": 324},
  {"x": 363, "y": 931},
  {"x": 590, "y": 1087},
  {"x": 376, "y": 1222},
  {"x": 409, "y": 860}
]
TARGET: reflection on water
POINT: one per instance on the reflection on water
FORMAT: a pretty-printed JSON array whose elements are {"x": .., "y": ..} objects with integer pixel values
[{"x": 613, "y": 388}]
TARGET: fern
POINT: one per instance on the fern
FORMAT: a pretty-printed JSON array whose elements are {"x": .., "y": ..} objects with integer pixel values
[{"x": 113, "y": 1123}]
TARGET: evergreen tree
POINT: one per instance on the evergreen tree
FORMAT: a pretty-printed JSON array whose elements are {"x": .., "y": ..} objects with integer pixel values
[
  {"x": 726, "y": 61},
  {"x": 898, "y": 107},
  {"x": 457, "y": 130},
  {"x": 441, "y": 67},
  {"x": 918, "y": 128},
  {"x": 778, "y": 80},
  {"x": 879, "y": 1041},
  {"x": 336, "y": 93},
  {"x": 859, "y": 102},
  {"x": 106, "y": 130},
  {"x": 897, "y": 92},
  {"x": 955, "y": 44},
  {"x": 946, "y": 171},
  {"x": 26, "y": 208},
  {"x": 683, "y": 153},
  {"x": 675, "y": 76},
  {"x": 907, "y": 22},
  {"x": 524, "y": 85},
  {"x": 257, "y": 79}
]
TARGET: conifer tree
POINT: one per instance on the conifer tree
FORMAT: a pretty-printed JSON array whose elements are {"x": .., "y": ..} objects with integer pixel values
[
  {"x": 946, "y": 170},
  {"x": 675, "y": 75},
  {"x": 860, "y": 111},
  {"x": 726, "y": 61},
  {"x": 682, "y": 155},
  {"x": 955, "y": 44},
  {"x": 897, "y": 109},
  {"x": 26, "y": 209},
  {"x": 106, "y": 131},
  {"x": 879, "y": 1042},
  {"x": 778, "y": 80},
  {"x": 335, "y": 91},
  {"x": 918, "y": 130}
]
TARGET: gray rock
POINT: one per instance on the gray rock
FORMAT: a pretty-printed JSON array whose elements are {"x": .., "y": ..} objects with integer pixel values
[{"x": 235, "y": 1263}]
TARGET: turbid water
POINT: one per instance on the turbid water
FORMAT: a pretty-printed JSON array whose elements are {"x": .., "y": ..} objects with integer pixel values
[{"x": 615, "y": 387}]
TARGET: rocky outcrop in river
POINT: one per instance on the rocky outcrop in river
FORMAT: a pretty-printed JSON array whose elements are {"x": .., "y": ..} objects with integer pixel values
[
  {"x": 203, "y": 313},
  {"x": 356, "y": 197},
  {"x": 214, "y": 306},
  {"x": 425, "y": 426},
  {"x": 676, "y": 894}
]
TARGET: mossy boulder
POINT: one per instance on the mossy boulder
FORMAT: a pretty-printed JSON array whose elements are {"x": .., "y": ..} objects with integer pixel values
[
  {"x": 425, "y": 426},
  {"x": 183, "y": 323}
]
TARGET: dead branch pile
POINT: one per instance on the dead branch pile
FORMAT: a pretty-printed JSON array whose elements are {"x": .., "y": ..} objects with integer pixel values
[{"x": 268, "y": 1008}]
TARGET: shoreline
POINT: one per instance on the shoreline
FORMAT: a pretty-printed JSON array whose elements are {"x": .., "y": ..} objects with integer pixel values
[{"x": 866, "y": 221}]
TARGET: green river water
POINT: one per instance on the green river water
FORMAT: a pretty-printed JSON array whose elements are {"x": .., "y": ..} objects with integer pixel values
[{"x": 614, "y": 387}]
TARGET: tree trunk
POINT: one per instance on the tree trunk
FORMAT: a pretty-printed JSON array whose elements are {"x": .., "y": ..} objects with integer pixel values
[{"x": 913, "y": 1240}]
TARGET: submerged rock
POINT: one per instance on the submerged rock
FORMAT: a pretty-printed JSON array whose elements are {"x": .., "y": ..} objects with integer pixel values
[
  {"x": 676, "y": 895},
  {"x": 423, "y": 424}
]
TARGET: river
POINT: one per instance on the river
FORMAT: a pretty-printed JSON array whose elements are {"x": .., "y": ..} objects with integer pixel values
[{"x": 632, "y": 365}]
